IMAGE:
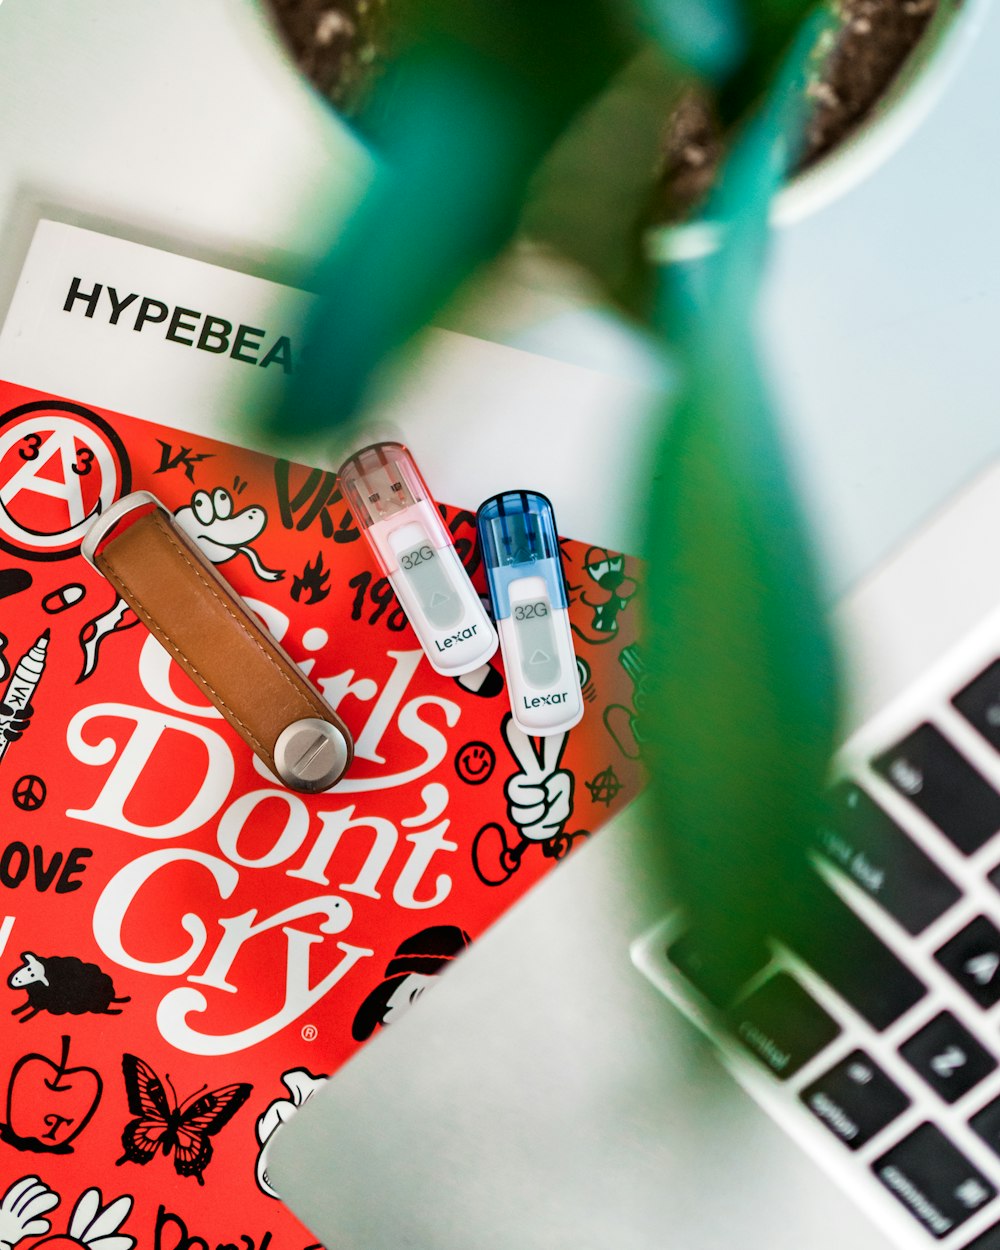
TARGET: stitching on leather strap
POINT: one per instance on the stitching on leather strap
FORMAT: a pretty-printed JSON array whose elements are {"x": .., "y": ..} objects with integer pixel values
[
  {"x": 165, "y": 638},
  {"x": 140, "y": 609},
  {"x": 214, "y": 590}
]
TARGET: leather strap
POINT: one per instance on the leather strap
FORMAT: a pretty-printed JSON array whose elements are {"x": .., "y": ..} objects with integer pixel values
[{"x": 211, "y": 633}]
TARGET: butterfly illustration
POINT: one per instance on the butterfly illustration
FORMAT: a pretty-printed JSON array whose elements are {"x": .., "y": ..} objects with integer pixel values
[{"x": 184, "y": 1128}]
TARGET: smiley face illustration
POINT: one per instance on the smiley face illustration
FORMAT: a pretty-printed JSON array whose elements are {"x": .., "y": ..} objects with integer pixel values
[{"x": 475, "y": 762}]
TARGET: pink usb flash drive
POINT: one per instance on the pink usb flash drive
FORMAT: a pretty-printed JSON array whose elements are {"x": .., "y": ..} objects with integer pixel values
[{"x": 396, "y": 512}]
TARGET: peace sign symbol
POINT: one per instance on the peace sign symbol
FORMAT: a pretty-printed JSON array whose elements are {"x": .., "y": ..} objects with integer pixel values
[
  {"x": 540, "y": 796},
  {"x": 29, "y": 792}
]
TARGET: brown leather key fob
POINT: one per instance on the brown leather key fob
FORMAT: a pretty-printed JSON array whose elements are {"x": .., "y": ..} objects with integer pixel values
[{"x": 220, "y": 644}]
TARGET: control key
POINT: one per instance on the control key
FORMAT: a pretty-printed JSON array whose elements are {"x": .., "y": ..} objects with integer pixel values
[{"x": 782, "y": 1026}]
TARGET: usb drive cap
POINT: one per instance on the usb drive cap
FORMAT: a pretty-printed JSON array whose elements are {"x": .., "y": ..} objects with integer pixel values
[
  {"x": 517, "y": 530},
  {"x": 380, "y": 481}
]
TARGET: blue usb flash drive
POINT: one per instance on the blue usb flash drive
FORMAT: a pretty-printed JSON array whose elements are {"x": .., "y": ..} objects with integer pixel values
[{"x": 517, "y": 532}]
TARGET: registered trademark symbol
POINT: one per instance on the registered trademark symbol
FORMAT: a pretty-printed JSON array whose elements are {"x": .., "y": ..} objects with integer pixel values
[{"x": 309, "y": 1032}]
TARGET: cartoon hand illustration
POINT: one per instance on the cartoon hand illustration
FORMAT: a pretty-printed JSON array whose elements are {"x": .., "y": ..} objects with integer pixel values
[
  {"x": 539, "y": 803},
  {"x": 21, "y": 1209},
  {"x": 540, "y": 797},
  {"x": 301, "y": 1086},
  {"x": 96, "y": 1226},
  {"x": 14, "y": 721}
]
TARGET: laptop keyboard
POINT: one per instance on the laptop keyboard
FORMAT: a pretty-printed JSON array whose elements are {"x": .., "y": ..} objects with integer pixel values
[{"x": 886, "y": 1065}]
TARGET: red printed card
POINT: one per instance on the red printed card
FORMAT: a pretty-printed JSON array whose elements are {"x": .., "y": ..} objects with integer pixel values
[{"x": 187, "y": 948}]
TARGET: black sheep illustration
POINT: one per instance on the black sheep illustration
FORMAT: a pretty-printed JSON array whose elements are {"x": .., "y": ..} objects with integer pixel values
[{"x": 63, "y": 984}]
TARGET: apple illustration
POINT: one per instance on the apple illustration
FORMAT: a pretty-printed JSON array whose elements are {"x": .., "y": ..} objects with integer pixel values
[{"x": 49, "y": 1103}]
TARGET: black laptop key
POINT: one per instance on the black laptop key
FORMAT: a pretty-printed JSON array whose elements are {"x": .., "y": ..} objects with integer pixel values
[
  {"x": 979, "y": 703},
  {"x": 836, "y": 943},
  {"x": 990, "y": 1240},
  {"x": 987, "y": 1124},
  {"x": 855, "y": 1100},
  {"x": 927, "y": 769},
  {"x": 718, "y": 974},
  {"x": 973, "y": 959},
  {"x": 933, "y": 1180},
  {"x": 782, "y": 1025},
  {"x": 870, "y": 848},
  {"x": 948, "y": 1057}
]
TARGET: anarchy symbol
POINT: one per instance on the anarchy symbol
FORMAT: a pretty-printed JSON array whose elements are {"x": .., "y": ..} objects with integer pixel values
[
  {"x": 604, "y": 787},
  {"x": 29, "y": 792}
]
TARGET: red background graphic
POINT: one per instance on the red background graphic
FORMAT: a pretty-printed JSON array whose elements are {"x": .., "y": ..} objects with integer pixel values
[{"x": 172, "y": 895}]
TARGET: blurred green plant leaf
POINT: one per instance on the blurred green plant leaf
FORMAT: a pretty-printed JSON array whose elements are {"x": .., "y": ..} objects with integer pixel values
[
  {"x": 708, "y": 36},
  {"x": 768, "y": 26},
  {"x": 742, "y": 711},
  {"x": 589, "y": 199},
  {"x": 475, "y": 98}
]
